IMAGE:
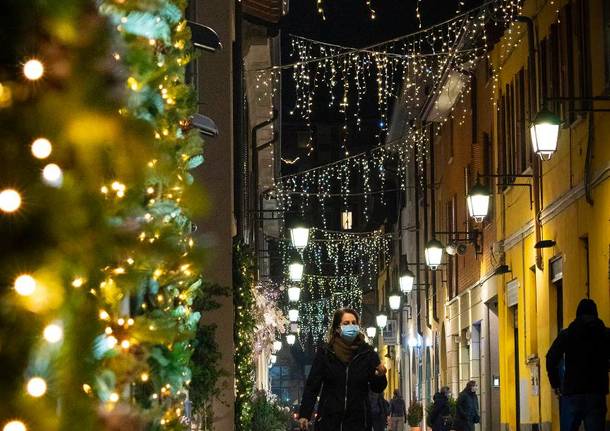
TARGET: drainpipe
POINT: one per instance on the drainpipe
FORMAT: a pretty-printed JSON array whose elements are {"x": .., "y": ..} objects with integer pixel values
[
  {"x": 254, "y": 204},
  {"x": 534, "y": 107},
  {"x": 417, "y": 244},
  {"x": 426, "y": 238},
  {"x": 433, "y": 222}
]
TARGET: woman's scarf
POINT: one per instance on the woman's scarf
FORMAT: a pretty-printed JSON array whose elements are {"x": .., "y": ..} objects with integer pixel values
[{"x": 344, "y": 351}]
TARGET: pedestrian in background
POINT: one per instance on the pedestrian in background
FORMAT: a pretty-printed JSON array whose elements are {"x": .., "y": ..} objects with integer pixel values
[
  {"x": 380, "y": 410},
  {"x": 342, "y": 373},
  {"x": 398, "y": 412},
  {"x": 440, "y": 418},
  {"x": 467, "y": 408},
  {"x": 585, "y": 349}
]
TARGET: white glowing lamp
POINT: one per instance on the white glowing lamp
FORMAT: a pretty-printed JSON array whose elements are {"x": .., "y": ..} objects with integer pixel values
[
  {"x": 406, "y": 281},
  {"x": 290, "y": 339},
  {"x": 10, "y": 200},
  {"x": 394, "y": 301},
  {"x": 545, "y": 133},
  {"x": 299, "y": 237},
  {"x": 295, "y": 270},
  {"x": 382, "y": 320},
  {"x": 277, "y": 346},
  {"x": 371, "y": 331},
  {"x": 478, "y": 202},
  {"x": 293, "y": 315},
  {"x": 273, "y": 359},
  {"x": 434, "y": 254},
  {"x": 294, "y": 293}
]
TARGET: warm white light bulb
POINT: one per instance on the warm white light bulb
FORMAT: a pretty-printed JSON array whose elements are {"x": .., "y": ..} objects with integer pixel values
[
  {"x": 33, "y": 69},
  {"x": 14, "y": 426},
  {"x": 41, "y": 148},
  {"x": 52, "y": 175},
  {"x": 114, "y": 397},
  {"x": 37, "y": 387},
  {"x": 53, "y": 333},
  {"x": 25, "y": 285},
  {"x": 10, "y": 200}
]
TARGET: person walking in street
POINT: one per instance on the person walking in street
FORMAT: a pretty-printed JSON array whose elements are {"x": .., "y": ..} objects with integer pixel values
[
  {"x": 440, "y": 418},
  {"x": 398, "y": 412},
  {"x": 467, "y": 409},
  {"x": 342, "y": 373},
  {"x": 584, "y": 348},
  {"x": 380, "y": 410}
]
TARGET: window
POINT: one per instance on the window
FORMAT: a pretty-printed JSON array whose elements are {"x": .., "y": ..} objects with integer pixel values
[{"x": 515, "y": 151}]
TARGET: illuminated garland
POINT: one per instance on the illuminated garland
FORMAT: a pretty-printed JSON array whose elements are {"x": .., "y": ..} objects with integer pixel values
[
  {"x": 316, "y": 314},
  {"x": 244, "y": 306},
  {"x": 401, "y": 68},
  {"x": 353, "y": 178},
  {"x": 114, "y": 266}
]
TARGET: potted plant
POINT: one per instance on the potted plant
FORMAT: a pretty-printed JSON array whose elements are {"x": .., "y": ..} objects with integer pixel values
[{"x": 415, "y": 414}]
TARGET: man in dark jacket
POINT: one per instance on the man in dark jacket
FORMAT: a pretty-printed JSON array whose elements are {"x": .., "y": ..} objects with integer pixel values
[
  {"x": 440, "y": 418},
  {"x": 398, "y": 412},
  {"x": 467, "y": 409},
  {"x": 379, "y": 411},
  {"x": 585, "y": 349}
]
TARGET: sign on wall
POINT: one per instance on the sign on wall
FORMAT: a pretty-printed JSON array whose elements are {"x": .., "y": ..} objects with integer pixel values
[{"x": 390, "y": 333}]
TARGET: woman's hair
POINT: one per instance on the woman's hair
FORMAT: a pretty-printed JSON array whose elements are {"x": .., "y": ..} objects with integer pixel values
[
  {"x": 396, "y": 393},
  {"x": 445, "y": 390},
  {"x": 336, "y": 323},
  {"x": 469, "y": 385}
]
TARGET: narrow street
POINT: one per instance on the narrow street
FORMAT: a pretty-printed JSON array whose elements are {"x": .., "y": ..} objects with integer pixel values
[{"x": 323, "y": 215}]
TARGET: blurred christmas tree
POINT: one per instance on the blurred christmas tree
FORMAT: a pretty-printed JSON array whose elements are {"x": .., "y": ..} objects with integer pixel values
[{"x": 98, "y": 267}]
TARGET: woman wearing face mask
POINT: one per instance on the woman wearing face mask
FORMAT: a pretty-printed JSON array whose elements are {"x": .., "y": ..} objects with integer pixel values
[{"x": 342, "y": 372}]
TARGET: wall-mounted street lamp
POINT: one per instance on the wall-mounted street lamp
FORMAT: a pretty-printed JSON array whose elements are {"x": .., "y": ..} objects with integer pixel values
[
  {"x": 478, "y": 201},
  {"x": 299, "y": 236},
  {"x": 290, "y": 339},
  {"x": 406, "y": 281},
  {"x": 371, "y": 331},
  {"x": 295, "y": 271},
  {"x": 293, "y": 315},
  {"x": 394, "y": 301},
  {"x": 545, "y": 133},
  {"x": 294, "y": 293},
  {"x": 277, "y": 346},
  {"x": 382, "y": 320},
  {"x": 434, "y": 254}
]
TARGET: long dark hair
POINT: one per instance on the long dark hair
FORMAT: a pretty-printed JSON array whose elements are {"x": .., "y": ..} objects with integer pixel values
[
  {"x": 336, "y": 323},
  {"x": 469, "y": 385}
]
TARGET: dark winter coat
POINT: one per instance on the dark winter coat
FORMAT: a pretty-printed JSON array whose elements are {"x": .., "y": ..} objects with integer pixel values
[
  {"x": 379, "y": 406},
  {"x": 467, "y": 411},
  {"x": 585, "y": 348},
  {"x": 397, "y": 407},
  {"x": 343, "y": 389},
  {"x": 440, "y": 415}
]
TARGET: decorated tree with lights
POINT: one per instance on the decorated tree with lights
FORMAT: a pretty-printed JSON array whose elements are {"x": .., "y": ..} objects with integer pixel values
[{"x": 99, "y": 267}]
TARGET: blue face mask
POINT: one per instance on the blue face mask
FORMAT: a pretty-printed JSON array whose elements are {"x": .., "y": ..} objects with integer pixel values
[{"x": 349, "y": 332}]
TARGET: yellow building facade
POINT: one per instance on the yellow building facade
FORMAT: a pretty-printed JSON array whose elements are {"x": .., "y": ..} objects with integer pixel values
[{"x": 556, "y": 243}]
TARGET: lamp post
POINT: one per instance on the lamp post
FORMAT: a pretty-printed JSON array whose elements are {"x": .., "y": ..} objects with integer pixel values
[
  {"x": 434, "y": 254},
  {"x": 478, "y": 202},
  {"x": 545, "y": 133}
]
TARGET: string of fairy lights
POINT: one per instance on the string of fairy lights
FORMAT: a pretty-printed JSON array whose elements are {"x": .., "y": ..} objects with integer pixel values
[
  {"x": 360, "y": 175},
  {"x": 405, "y": 72}
]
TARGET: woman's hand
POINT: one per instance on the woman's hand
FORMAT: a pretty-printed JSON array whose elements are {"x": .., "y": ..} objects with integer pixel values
[
  {"x": 380, "y": 370},
  {"x": 303, "y": 423}
]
